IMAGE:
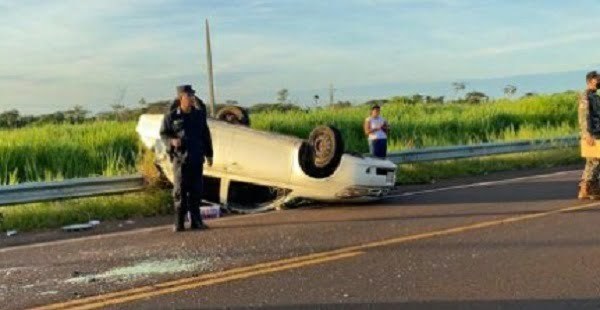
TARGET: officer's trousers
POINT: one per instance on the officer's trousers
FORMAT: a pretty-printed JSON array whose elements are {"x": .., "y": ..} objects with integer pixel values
[
  {"x": 591, "y": 172},
  {"x": 187, "y": 189}
]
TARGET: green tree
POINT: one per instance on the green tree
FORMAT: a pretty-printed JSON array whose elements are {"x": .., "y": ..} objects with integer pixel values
[
  {"x": 142, "y": 102},
  {"x": 476, "y": 97},
  {"x": 282, "y": 95},
  {"x": 79, "y": 114},
  {"x": 417, "y": 98},
  {"x": 9, "y": 119},
  {"x": 509, "y": 90},
  {"x": 458, "y": 87}
]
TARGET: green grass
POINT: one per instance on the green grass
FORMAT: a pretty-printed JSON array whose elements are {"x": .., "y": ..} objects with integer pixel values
[
  {"x": 55, "y": 152},
  {"x": 432, "y": 171},
  {"x": 59, "y": 213},
  {"x": 425, "y": 125}
]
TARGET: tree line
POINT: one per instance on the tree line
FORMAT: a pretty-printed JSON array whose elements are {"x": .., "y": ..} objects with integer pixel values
[{"x": 120, "y": 112}]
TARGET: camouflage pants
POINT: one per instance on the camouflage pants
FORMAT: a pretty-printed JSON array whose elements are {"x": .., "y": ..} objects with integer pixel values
[{"x": 591, "y": 172}]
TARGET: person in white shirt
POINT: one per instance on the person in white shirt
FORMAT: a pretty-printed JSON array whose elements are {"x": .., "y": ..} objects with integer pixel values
[{"x": 376, "y": 128}]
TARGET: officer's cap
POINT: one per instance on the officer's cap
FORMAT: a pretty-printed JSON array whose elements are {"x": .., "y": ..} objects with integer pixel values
[{"x": 185, "y": 89}]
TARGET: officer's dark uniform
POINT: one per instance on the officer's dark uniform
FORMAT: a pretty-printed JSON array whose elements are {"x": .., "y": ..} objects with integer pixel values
[{"x": 188, "y": 159}]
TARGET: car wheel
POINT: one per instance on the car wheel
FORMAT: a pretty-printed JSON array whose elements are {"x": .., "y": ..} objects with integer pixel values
[
  {"x": 234, "y": 115},
  {"x": 321, "y": 154}
]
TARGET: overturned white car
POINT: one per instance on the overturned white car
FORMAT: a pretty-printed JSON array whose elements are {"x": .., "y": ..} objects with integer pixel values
[{"x": 253, "y": 167}]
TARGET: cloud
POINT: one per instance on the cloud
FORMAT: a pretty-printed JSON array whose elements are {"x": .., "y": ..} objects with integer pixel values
[
  {"x": 535, "y": 45},
  {"x": 88, "y": 49}
]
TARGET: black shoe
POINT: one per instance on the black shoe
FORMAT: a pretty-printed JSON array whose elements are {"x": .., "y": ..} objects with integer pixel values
[
  {"x": 199, "y": 226},
  {"x": 179, "y": 221}
]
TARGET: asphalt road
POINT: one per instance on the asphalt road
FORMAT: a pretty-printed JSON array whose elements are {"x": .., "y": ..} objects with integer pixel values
[{"x": 509, "y": 243}]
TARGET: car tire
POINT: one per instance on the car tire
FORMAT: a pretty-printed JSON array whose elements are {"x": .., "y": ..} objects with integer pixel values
[
  {"x": 321, "y": 155},
  {"x": 234, "y": 115}
]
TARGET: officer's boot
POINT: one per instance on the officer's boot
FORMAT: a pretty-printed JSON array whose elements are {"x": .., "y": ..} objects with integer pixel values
[
  {"x": 197, "y": 223},
  {"x": 196, "y": 218},
  {"x": 594, "y": 190},
  {"x": 179, "y": 219},
  {"x": 584, "y": 190}
]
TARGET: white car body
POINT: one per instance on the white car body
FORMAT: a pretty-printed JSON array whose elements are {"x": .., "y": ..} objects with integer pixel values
[{"x": 268, "y": 159}]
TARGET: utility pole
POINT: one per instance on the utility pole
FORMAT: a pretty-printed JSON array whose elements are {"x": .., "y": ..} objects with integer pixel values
[
  {"x": 211, "y": 85},
  {"x": 331, "y": 91}
]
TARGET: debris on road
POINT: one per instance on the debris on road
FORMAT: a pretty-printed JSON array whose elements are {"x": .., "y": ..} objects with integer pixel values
[
  {"x": 11, "y": 233},
  {"x": 210, "y": 210},
  {"x": 48, "y": 293},
  {"x": 77, "y": 227},
  {"x": 142, "y": 269}
]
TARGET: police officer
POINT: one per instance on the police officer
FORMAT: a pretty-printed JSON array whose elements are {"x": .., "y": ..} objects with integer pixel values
[
  {"x": 186, "y": 134},
  {"x": 589, "y": 123}
]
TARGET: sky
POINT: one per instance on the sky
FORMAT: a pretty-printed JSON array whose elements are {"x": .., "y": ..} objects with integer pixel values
[{"x": 58, "y": 54}]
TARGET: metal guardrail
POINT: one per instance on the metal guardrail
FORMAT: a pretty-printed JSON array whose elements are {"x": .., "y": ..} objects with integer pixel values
[
  {"x": 478, "y": 150},
  {"x": 74, "y": 188}
]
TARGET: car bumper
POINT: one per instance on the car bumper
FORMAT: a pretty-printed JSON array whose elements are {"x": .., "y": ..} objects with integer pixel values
[{"x": 369, "y": 193}]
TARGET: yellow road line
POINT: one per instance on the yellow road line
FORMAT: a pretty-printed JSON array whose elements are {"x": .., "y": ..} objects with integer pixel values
[
  {"x": 214, "y": 281},
  {"x": 284, "y": 264},
  {"x": 185, "y": 281}
]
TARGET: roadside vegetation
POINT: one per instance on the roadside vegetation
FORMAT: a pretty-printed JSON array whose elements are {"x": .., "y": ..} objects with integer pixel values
[
  {"x": 56, "y": 214},
  {"x": 433, "y": 171},
  {"x": 432, "y": 124},
  {"x": 107, "y": 148},
  {"x": 153, "y": 202},
  {"x": 55, "y": 152}
]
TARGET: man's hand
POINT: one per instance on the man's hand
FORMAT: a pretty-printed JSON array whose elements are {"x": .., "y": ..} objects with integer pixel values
[
  {"x": 590, "y": 140},
  {"x": 176, "y": 142},
  {"x": 209, "y": 161}
]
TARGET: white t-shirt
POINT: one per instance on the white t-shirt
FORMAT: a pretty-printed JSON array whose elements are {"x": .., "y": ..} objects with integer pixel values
[{"x": 376, "y": 122}]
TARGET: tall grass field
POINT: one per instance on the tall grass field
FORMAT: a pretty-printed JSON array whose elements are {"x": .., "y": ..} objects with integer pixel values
[
  {"x": 111, "y": 148},
  {"x": 67, "y": 151}
]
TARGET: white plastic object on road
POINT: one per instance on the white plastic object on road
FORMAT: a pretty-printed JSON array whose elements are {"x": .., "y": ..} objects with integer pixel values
[
  {"x": 11, "y": 233},
  {"x": 77, "y": 227}
]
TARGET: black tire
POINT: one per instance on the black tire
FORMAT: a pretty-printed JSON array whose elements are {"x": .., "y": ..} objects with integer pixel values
[
  {"x": 321, "y": 155},
  {"x": 234, "y": 115}
]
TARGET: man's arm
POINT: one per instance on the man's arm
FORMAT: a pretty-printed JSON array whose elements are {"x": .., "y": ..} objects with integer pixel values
[
  {"x": 366, "y": 127},
  {"x": 206, "y": 139},
  {"x": 584, "y": 118},
  {"x": 166, "y": 132},
  {"x": 584, "y": 114}
]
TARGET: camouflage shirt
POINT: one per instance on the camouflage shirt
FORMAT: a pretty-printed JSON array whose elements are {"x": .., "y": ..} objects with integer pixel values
[{"x": 589, "y": 113}]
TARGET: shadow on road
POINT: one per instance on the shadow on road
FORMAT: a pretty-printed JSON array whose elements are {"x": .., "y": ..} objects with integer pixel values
[
  {"x": 308, "y": 221},
  {"x": 500, "y": 193}
]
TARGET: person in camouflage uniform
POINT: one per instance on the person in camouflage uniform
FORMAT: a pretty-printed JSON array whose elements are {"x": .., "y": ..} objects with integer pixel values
[{"x": 589, "y": 123}]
